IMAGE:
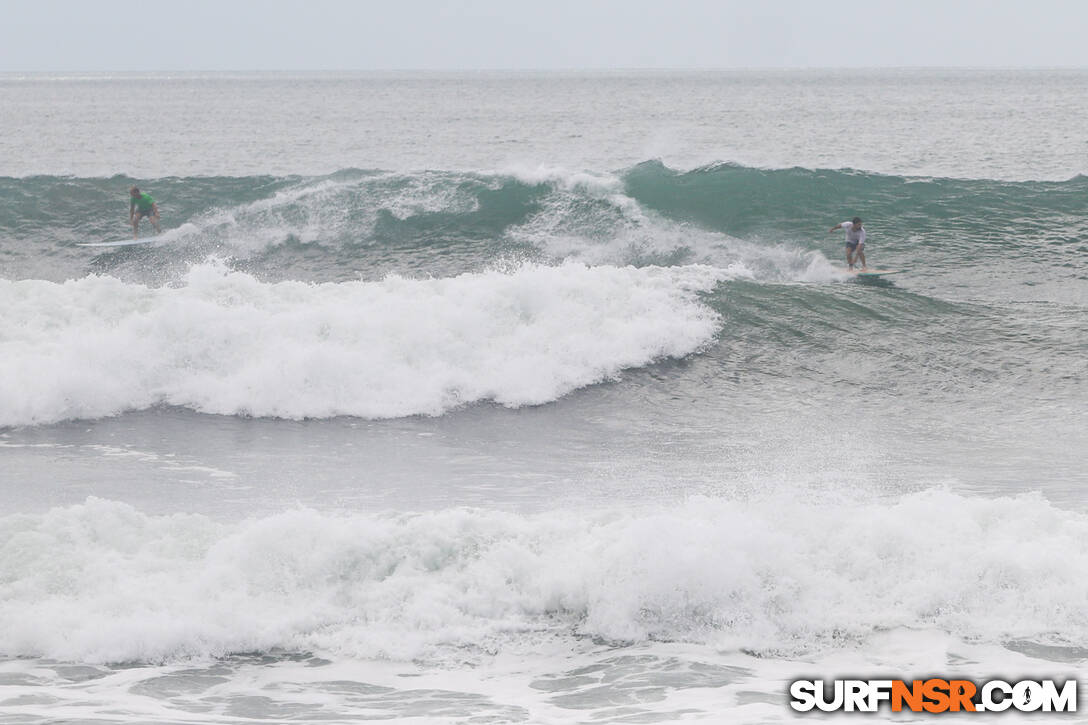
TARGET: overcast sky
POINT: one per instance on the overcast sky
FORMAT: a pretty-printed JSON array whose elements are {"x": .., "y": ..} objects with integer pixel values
[{"x": 94, "y": 35}]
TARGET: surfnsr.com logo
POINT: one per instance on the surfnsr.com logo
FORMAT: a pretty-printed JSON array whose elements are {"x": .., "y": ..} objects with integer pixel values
[{"x": 933, "y": 695}]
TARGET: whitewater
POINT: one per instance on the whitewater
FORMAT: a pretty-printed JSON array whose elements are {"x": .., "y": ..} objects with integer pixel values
[
  {"x": 225, "y": 343},
  {"x": 537, "y": 397}
]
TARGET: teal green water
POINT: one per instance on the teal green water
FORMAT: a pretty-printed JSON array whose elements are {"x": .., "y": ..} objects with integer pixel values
[{"x": 367, "y": 215}]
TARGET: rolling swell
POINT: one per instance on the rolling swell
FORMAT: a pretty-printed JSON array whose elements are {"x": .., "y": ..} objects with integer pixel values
[
  {"x": 893, "y": 341},
  {"x": 444, "y": 221},
  {"x": 980, "y": 217}
]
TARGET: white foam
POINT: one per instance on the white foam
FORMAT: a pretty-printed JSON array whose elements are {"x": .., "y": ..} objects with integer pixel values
[
  {"x": 564, "y": 179},
  {"x": 335, "y": 210},
  {"x": 608, "y": 227},
  {"x": 103, "y": 582},
  {"x": 302, "y": 210},
  {"x": 224, "y": 342}
]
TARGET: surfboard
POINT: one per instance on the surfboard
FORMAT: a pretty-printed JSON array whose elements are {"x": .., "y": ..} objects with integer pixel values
[
  {"x": 872, "y": 272},
  {"x": 123, "y": 242}
]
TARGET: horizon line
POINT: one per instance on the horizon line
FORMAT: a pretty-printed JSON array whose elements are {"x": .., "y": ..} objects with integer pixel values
[{"x": 587, "y": 69}]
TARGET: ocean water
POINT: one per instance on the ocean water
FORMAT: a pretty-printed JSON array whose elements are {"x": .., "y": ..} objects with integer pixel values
[{"x": 515, "y": 397}]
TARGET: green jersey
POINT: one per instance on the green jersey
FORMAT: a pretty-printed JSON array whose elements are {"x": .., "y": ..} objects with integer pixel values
[{"x": 143, "y": 202}]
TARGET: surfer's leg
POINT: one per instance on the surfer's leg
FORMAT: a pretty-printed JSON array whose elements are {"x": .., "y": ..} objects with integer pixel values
[
  {"x": 135, "y": 226},
  {"x": 861, "y": 255}
]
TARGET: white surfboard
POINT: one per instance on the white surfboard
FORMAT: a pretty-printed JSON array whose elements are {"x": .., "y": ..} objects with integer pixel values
[
  {"x": 872, "y": 272},
  {"x": 166, "y": 235},
  {"x": 123, "y": 242}
]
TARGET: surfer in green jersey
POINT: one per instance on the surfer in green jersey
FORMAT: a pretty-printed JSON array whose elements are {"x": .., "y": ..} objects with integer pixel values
[{"x": 142, "y": 205}]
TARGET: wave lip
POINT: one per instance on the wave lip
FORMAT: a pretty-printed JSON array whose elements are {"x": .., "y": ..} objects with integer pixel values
[{"x": 227, "y": 343}]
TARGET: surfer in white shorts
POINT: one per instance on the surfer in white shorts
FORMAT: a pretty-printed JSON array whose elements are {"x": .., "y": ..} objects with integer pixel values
[{"x": 855, "y": 241}]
